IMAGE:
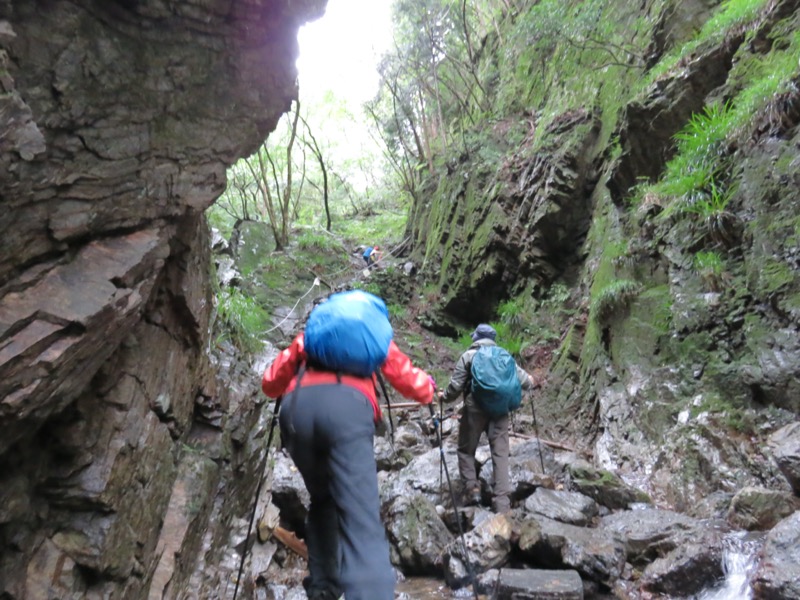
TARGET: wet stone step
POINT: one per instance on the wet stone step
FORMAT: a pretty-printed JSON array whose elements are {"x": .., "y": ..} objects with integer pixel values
[{"x": 532, "y": 584}]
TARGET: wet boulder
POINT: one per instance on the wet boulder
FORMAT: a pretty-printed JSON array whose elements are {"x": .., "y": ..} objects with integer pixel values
[
  {"x": 568, "y": 507},
  {"x": 421, "y": 476},
  {"x": 760, "y": 509},
  {"x": 604, "y": 486},
  {"x": 524, "y": 467},
  {"x": 649, "y": 533},
  {"x": 531, "y": 584},
  {"x": 487, "y": 546},
  {"x": 687, "y": 569},
  {"x": 785, "y": 446},
  {"x": 289, "y": 492},
  {"x": 595, "y": 553},
  {"x": 778, "y": 572},
  {"x": 394, "y": 454},
  {"x": 416, "y": 534}
]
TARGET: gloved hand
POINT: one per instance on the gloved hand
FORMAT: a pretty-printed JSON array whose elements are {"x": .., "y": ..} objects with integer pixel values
[{"x": 434, "y": 418}]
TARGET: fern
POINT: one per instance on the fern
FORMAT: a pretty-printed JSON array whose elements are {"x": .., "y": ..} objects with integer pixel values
[{"x": 614, "y": 297}]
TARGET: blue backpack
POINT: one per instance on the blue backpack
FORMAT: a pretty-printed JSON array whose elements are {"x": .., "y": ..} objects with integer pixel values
[
  {"x": 349, "y": 333},
  {"x": 367, "y": 252},
  {"x": 495, "y": 386}
]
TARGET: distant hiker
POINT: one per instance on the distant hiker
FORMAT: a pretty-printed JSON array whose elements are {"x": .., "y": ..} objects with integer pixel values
[
  {"x": 327, "y": 377},
  {"x": 372, "y": 255},
  {"x": 492, "y": 385}
]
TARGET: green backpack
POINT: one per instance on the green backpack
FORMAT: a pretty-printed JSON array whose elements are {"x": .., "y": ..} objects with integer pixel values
[{"x": 495, "y": 386}]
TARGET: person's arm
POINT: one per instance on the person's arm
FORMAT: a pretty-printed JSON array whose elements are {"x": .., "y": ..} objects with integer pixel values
[
  {"x": 280, "y": 373},
  {"x": 525, "y": 380},
  {"x": 459, "y": 378},
  {"x": 412, "y": 382}
]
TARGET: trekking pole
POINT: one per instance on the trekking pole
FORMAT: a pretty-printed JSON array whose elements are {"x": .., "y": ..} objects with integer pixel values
[
  {"x": 255, "y": 504},
  {"x": 538, "y": 439},
  {"x": 388, "y": 408},
  {"x": 441, "y": 457},
  {"x": 455, "y": 505}
]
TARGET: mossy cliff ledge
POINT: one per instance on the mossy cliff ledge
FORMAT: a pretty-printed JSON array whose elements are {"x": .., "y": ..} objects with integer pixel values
[
  {"x": 659, "y": 195},
  {"x": 119, "y": 445}
]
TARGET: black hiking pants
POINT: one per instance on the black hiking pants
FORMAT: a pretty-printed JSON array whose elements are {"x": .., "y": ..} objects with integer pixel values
[{"x": 328, "y": 430}]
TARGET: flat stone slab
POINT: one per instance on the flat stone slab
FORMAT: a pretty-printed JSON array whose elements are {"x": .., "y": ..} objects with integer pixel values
[{"x": 534, "y": 584}]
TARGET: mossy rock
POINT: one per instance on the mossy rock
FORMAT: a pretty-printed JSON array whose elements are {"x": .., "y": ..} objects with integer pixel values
[{"x": 605, "y": 487}]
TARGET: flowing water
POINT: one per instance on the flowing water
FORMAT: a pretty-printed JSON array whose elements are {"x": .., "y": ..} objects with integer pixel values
[
  {"x": 738, "y": 563},
  {"x": 423, "y": 588}
]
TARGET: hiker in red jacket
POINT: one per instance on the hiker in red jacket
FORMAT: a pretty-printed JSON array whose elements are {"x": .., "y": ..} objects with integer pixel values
[{"x": 328, "y": 426}]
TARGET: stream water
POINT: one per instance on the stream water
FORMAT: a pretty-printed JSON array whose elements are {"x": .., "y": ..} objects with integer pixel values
[
  {"x": 423, "y": 588},
  {"x": 738, "y": 563}
]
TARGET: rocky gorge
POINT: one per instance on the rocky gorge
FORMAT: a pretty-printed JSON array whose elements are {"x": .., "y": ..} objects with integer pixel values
[{"x": 132, "y": 446}]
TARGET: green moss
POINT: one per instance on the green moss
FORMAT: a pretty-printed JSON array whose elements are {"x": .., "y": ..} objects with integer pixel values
[
  {"x": 774, "y": 275},
  {"x": 618, "y": 294},
  {"x": 637, "y": 338},
  {"x": 688, "y": 351},
  {"x": 730, "y": 14}
]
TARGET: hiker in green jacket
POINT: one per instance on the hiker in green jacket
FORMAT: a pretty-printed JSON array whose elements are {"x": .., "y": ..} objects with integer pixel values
[{"x": 474, "y": 421}]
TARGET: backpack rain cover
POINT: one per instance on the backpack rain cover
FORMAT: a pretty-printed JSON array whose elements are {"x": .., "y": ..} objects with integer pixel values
[
  {"x": 349, "y": 333},
  {"x": 495, "y": 386}
]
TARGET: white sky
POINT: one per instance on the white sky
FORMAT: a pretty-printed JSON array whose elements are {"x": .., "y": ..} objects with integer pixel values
[{"x": 340, "y": 51}]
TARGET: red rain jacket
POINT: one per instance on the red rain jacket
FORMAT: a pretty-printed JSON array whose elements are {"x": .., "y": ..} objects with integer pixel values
[{"x": 410, "y": 381}]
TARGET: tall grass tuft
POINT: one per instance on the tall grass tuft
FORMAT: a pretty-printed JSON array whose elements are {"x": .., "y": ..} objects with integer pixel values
[
  {"x": 613, "y": 298},
  {"x": 240, "y": 320}
]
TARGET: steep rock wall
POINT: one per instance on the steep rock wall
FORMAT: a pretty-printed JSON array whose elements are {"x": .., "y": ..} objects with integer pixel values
[
  {"x": 118, "y": 435},
  {"x": 673, "y": 375}
]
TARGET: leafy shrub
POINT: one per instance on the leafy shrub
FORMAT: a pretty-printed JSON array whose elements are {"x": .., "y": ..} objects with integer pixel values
[
  {"x": 241, "y": 320},
  {"x": 396, "y": 311},
  {"x": 512, "y": 313},
  {"x": 368, "y": 286},
  {"x": 317, "y": 240},
  {"x": 508, "y": 339}
]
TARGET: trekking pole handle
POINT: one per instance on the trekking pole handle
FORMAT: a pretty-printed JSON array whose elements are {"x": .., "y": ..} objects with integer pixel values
[{"x": 434, "y": 418}]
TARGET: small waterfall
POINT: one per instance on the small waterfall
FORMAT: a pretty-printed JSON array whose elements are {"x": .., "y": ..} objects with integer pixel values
[{"x": 738, "y": 564}]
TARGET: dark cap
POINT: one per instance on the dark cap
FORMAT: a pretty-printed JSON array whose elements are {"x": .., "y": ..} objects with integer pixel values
[{"x": 483, "y": 331}]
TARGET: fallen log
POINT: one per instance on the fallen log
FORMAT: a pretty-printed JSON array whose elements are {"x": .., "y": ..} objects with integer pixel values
[
  {"x": 555, "y": 445},
  {"x": 291, "y": 541},
  {"x": 268, "y": 527},
  {"x": 403, "y": 405}
]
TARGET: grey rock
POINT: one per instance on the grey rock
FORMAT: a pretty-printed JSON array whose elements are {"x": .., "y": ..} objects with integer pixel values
[
  {"x": 778, "y": 572},
  {"x": 687, "y": 569},
  {"x": 785, "y": 447},
  {"x": 487, "y": 546},
  {"x": 568, "y": 507},
  {"x": 595, "y": 553},
  {"x": 649, "y": 533},
  {"x": 532, "y": 584},
  {"x": 417, "y": 535},
  {"x": 760, "y": 509}
]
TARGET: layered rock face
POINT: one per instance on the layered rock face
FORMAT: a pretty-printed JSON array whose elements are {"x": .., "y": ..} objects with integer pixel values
[
  {"x": 118, "y": 122},
  {"x": 677, "y": 370}
]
